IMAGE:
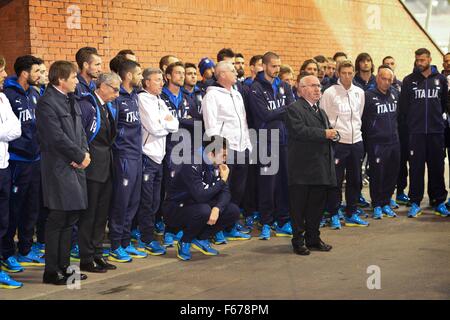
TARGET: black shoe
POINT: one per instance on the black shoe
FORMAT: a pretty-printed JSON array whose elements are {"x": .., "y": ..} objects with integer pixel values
[
  {"x": 321, "y": 246},
  {"x": 82, "y": 275},
  {"x": 92, "y": 267},
  {"x": 101, "y": 262},
  {"x": 56, "y": 278},
  {"x": 301, "y": 250}
]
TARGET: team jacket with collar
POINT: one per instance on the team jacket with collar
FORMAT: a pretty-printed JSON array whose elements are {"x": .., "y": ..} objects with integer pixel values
[
  {"x": 344, "y": 108},
  {"x": 268, "y": 103},
  {"x": 224, "y": 115},
  {"x": 83, "y": 87},
  {"x": 128, "y": 143},
  {"x": 423, "y": 102},
  {"x": 23, "y": 104},
  {"x": 371, "y": 84},
  {"x": 379, "y": 120},
  {"x": 9, "y": 129}
]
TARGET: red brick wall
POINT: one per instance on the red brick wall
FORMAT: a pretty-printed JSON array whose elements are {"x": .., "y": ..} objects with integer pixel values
[
  {"x": 14, "y": 31},
  {"x": 192, "y": 29}
]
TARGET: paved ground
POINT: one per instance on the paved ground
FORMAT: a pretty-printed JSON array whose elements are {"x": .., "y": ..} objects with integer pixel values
[{"x": 413, "y": 256}]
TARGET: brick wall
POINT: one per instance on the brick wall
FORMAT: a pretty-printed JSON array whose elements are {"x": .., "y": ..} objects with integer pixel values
[{"x": 192, "y": 29}]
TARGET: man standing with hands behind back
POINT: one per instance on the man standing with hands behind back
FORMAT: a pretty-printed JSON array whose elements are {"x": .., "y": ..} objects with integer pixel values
[{"x": 310, "y": 166}]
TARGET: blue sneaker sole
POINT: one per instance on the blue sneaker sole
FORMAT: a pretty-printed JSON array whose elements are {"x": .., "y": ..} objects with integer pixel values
[
  {"x": 12, "y": 270},
  {"x": 9, "y": 286},
  {"x": 136, "y": 256},
  {"x": 31, "y": 264},
  {"x": 237, "y": 239},
  {"x": 347, "y": 224},
  {"x": 441, "y": 215},
  {"x": 218, "y": 243},
  {"x": 263, "y": 238},
  {"x": 287, "y": 235},
  {"x": 113, "y": 259},
  {"x": 419, "y": 214},
  {"x": 181, "y": 257},
  {"x": 206, "y": 253}
]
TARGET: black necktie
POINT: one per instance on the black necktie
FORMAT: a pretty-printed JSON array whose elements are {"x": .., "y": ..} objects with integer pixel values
[{"x": 315, "y": 108}]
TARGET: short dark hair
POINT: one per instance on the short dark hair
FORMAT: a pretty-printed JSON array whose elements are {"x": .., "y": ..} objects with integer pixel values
[
  {"x": 217, "y": 141},
  {"x": 306, "y": 62},
  {"x": 164, "y": 61},
  {"x": 60, "y": 70},
  {"x": 363, "y": 57},
  {"x": 190, "y": 65},
  {"x": 124, "y": 52},
  {"x": 384, "y": 66},
  {"x": 339, "y": 54},
  {"x": 385, "y": 58},
  {"x": 225, "y": 53},
  {"x": 284, "y": 69},
  {"x": 422, "y": 51},
  {"x": 320, "y": 59},
  {"x": 127, "y": 66},
  {"x": 84, "y": 55},
  {"x": 255, "y": 59},
  {"x": 172, "y": 66},
  {"x": 25, "y": 63},
  {"x": 269, "y": 56},
  {"x": 239, "y": 55},
  {"x": 114, "y": 64}
]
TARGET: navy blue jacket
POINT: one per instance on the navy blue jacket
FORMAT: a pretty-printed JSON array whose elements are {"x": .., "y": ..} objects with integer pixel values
[
  {"x": 268, "y": 103},
  {"x": 371, "y": 84},
  {"x": 198, "y": 184},
  {"x": 397, "y": 84},
  {"x": 379, "y": 119},
  {"x": 423, "y": 101},
  {"x": 128, "y": 142},
  {"x": 83, "y": 87},
  {"x": 23, "y": 103},
  {"x": 194, "y": 100}
]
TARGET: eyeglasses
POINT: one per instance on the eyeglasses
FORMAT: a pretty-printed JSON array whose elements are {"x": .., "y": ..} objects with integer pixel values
[{"x": 114, "y": 88}]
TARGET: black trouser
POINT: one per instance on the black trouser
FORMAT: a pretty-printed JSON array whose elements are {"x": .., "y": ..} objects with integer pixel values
[
  {"x": 348, "y": 159},
  {"x": 402, "y": 180},
  {"x": 250, "y": 202},
  {"x": 429, "y": 149},
  {"x": 307, "y": 204},
  {"x": 92, "y": 223},
  {"x": 42, "y": 220},
  {"x": 384, "y": 162},
  {"x": 5, "y": 188},
  {"x": 58, "y": 232},
  {"x": 193, "y": 218},
  {"x": 238, "y": 176}
]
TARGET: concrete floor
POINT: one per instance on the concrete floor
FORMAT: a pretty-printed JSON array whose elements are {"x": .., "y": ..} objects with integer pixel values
[{"x": 413, "y": 255}]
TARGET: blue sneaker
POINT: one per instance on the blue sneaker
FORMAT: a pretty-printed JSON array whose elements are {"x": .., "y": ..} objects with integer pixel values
[
  {"x": 239, "y": 227},
  {"x": 323, "y": 222},
  {"x": 38, "y": 247},
  {"x": 377, "y": 213},
  {"x": 388, "y": 212},
  {"x": 168, "y": 239},
  {"x": 402, "y": 199},
  {"x": 154, "y": 248},
  {"x": 219, "y": 238},
  {"x": 362, "y": 202},
  {"x": 7, "y": 283},
  {"x": 335, "y": 222},
  {"x": 183, "y": 250},
  {"x": 394, "y": 204},
  {"x": 11, "y": 265},
  {"x": 204, "y": 247},
  {"x": 284, "y": 231},
  {"x": 119, "y": 255},
  {"x": 361, "y": 212},
  {"x": 274, "y": 225},
  {"x": 135, "y": 253},
  {"x": 355, "y": 221},
  {"x": 75, "y": 253},
  {"x": 106, "y": 252},
  {"x": 441, "y": 210},
  {"x": 341, "y": 212},
  {"x": 32, "y": 259},
  {"x": 177, "y": 237},
  {"x": 414, "y": 211},
  {"x": 135, "y": 235},
  {"x": 159, "y": 228},
  {"x": 265, "y": 232},
  {"x": 234, "y": 235},
  {"x": 249, "y": 222}
]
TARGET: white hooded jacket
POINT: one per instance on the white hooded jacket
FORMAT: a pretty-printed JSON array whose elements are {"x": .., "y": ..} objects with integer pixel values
[
  {"x": 224, "y": 115},
  {"x": 9, "y": 129},
  {"x": 344, "y": 108}
]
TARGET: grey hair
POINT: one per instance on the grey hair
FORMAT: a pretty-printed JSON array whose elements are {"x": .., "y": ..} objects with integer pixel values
[
  {"x": 148, "y": 72},
  {"x": 303, "y": 80},
  {"x": 223, "y": 66},
  {"x": 108, "y": 78}
]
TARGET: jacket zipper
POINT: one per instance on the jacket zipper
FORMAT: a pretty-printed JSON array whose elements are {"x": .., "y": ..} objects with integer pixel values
[
  {"x": 426, "y": 106},
  {"x": 351, "y": 113},
  {"x": 240, "y": 125}
]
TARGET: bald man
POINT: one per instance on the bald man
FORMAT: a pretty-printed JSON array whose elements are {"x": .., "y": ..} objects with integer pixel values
[{"x": 379, "y": 127}]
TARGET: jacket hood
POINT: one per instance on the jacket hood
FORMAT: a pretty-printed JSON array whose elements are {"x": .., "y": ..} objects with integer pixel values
[
  {"x": 217, "y": 87},
  {"x": 11, "y": 82},
  {"x": 260, "y": 78}
]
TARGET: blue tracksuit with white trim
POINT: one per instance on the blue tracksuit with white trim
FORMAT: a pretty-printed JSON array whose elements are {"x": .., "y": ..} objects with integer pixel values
[
  {"x": 25, "y": 170},
  {"x": 268, "y": 103},
  {"x": 192, "y": 193},
  {"x": 127, "y": 169},
  {"x": 83, "y": 88},
  {"x": 380, "y": 131},
  {"x": 423, "y": 102}
]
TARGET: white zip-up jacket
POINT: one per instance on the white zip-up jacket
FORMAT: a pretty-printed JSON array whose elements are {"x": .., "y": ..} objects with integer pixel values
[
  {"x": 153, "y": 110},
  {"x": 9, "y": 129},
  {"x": 224, "y": 115},
  {"x": 344, "y": 108}
]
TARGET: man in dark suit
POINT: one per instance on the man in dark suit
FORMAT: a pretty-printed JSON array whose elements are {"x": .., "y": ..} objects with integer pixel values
[
  {"x": 310, "y": 165},
  {"x": 99, "y": 118},
  {"x": 64, "y": 156}
]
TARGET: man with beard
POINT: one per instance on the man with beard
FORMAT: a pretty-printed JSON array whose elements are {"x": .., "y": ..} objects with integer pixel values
[
  {"x": 239, "y": 64},
  {"x": 423, "y": 100},
  {"x": 255, "y": 67},
  {"x": 24, "y": 165},
  {"x": 90, "y": 66}
]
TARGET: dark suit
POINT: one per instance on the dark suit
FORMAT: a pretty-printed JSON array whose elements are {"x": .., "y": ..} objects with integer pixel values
[
  {"x": 311, "y": 169},
  {"x": 92, "y": 224},
  {"x": 62, "y": 141}
]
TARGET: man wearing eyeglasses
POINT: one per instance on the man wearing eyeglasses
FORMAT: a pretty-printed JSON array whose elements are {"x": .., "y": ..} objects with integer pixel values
[{"x": 99, "y": 119}]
